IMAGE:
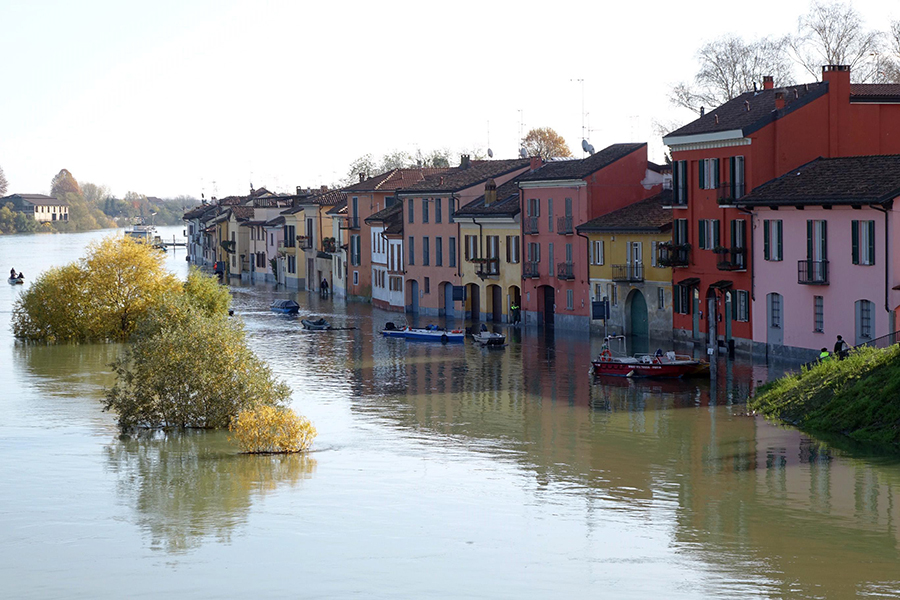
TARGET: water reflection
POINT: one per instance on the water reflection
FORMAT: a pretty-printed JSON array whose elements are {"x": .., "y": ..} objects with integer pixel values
[{"x": 191, "y": 487}]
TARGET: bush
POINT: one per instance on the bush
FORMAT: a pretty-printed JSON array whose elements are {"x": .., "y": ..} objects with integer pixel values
[
  {"x": 270, "y": 430},
  {"x": 195, "y": 371}
]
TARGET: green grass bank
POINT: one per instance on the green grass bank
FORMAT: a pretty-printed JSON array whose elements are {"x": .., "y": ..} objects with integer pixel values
[{"x": 858, "y": 397}]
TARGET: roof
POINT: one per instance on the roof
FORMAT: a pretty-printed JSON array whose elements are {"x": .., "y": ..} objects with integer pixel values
[
  {"x": 506, "y": 204},
  {"x": 734, "y": 114},
  {"x": 275, "y": 222},
  {"x": 579, "y": 169},
  {"x": 854, "y": 180},
  {"x": 325, "y": 198},
  {"x": 875, "y": 92},
  {"x": 647, "y": 215},
  {"x": 395, "y": 179},
  {"x": 198, "y": 211},
  {"x": 478, "y": 171},
  {"x": 339, "y": 208},
  {"x": 37, "y": 199},
  {"x": 385, "y": 213},
  {"x": 242, "y": 213}
]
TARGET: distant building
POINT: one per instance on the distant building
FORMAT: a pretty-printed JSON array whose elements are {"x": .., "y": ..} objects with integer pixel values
[{"x": 40, "y": 207}]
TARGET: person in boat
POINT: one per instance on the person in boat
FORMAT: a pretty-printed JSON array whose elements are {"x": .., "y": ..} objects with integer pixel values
[
  {"x": 20, "y": 275},
  {"x": 12, "y": 274},
  {"x": 659, "y": 353},
  {"x": 483, "y": 328}
]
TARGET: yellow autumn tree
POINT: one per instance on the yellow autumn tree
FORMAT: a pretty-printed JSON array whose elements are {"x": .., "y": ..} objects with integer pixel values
[
  {"x": 546, "y": 143},
  {"x": 272, "y": 430}
]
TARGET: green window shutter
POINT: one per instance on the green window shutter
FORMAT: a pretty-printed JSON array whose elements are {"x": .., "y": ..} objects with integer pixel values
[
  {"x": 676, "y": 299},
  {"x": 871, "y": 225},
  {"x": 715, "y": 240},
  {"x": 778, "y": 240},
  {"x": 701, "y": 233},
  {"x": 766, "y": 229},
  {"x": 716, "y": 173},
  {"x": 702, "y": 172},
  {"x": 854, "y": 237},
  {"x": 809, "y": 240},
  {"x": 824, "y": 240},
  {"x": 731, "y": 173}
]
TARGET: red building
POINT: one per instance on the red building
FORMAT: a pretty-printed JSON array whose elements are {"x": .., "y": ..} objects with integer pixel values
[
  {"x": 555, "y": 199},
  {"x": 731, "y": 149}
]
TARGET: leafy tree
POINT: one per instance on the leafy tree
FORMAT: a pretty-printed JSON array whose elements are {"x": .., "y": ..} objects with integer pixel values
[
  {"x": 102, "y": 296},
  {"x": 4, "y": 185},
  {"x": 272, "y": 430},
  {"x": 64, "y": 183},
  {"x": 205, "y": 293},
  {"x": 397, "y": 159},
  {"x": 170, "y": 380},
  {"x": 364, "y": 164},
  {"x": 832, "y": 33},
  {"x": 546, "y": 143},
  {"x": 730, "y": 66}
]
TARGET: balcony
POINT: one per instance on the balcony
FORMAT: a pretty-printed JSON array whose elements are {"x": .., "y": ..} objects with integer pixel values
[
  {"x": 352, "y": 223},
  {"x": 565, "y": 270},
  {"x": 304, "y": 243},
  {"x": 673, "y": 255},
  {"x": 564, "y": 226},
  {"x": 530, "y": 270},
  {"x": 329, "y": 245},
  {"x": 732, "y": 259},
  {"x": 487, "y": 267},
  {"x": 677, "y": 202},
  {"x": 727, "y": 193},
  {"x": 530, "y": 225},
  {"x": 630, "y": 272},
  {"x": 812, "y": 272}
]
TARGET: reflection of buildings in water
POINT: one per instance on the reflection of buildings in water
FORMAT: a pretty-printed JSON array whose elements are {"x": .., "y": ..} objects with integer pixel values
[{"x": 190, "y": 487}]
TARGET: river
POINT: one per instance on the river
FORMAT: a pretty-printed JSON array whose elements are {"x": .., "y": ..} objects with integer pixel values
[{"x": 439, "y": 472}]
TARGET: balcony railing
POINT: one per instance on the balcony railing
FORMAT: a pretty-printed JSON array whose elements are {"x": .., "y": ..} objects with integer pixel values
[
  {"x": 678, "y": 202},
  {"x": 727, "y": 193},
  {"x": 488, "y": 267},
  {"x": 530, "y": 270},
  {"x": 305, "y": 243},
  {"x": 564, "y": 226},
  {"x": 673, "y": 255},
  {"x": 565, "y": 270},
  {"x": 329, "y": 245},
  {"x": 353, "y": 222},
  {"x": 812, "y": 272},
  {"x": 530, "y": 225},
  {"x": 732, "y": 259},
  {"x": 629, "y": 272}
]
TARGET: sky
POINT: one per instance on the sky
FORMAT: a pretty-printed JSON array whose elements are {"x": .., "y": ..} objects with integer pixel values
[{"x": 191, "y": 97}]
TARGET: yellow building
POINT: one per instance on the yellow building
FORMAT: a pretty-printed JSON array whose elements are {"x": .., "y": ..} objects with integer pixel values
[
  {"x": 491, "y": 253},
  {"x": 624, "y": 269}
]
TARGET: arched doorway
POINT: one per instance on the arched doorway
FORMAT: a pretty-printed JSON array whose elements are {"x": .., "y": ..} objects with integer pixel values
[
  {"x": 546, "y": 303},
  {"x": 515, "y": 304},
  {"x": 638, "y": 322},
  {"x": 412, "y": 296},
  {"x": 448, "y": 309},
  {"x": 495, "y": 297},
  {"x": 474, "y": 296}
]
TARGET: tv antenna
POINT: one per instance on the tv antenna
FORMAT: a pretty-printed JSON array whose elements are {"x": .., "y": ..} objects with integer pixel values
[{"x": 490, "y": 152}]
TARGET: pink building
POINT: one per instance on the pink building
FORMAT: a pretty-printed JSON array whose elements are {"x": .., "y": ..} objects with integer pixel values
[
  {"x": 823, "y": 238},
  {"x": 555, "y": 199}
]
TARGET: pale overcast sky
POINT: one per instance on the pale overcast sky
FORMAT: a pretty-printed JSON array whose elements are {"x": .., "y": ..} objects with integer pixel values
[{"x": 187, "y": 96}]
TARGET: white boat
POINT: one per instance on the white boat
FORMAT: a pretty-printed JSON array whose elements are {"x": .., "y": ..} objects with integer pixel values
[
  {"x": 490, "y": 339},
  {"x": 16, "y": 280},
  {"x": 430, "y": 333},
  {"x": 147, "y": 234}
]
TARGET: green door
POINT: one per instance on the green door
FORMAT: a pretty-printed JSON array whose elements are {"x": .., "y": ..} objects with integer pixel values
[{"x": 639, "y": 327}]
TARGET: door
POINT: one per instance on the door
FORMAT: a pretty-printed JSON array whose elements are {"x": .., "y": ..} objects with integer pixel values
[
  {"x": 635, "y": 260},
  {"x": 413, "y": 290},
  {"x": 474, "y": 302},
  {"x": 496, "y": 304},
  {"x": 638, "y": 326},
  {"x": 695, "y": 309},
  {"x": 774, "y": 320},
  {"x": 712, "y": 339},
  {"x": 728, "y": 316},
  {"x": 549, "y": 304},
  {"x": 448, "y": 301}
]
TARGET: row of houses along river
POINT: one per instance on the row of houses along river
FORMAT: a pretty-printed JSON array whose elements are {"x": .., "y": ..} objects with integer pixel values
[{"x": 439, "y": 471}]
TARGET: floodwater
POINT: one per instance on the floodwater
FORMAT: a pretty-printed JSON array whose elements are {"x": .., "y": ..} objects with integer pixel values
[{"x": 439, "y": 472}]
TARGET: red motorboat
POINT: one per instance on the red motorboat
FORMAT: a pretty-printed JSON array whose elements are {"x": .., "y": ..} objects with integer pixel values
[{"x": 661, "y": 366}]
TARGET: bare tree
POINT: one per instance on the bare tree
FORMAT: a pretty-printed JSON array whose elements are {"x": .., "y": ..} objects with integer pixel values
[
  {"x": 546, "y": 143},
  {"x": 889, "y": 61},
  {"x": 730, "y": 66},
  {"x": 3, "y": 183},
  {"x": 832, "y": 33}
]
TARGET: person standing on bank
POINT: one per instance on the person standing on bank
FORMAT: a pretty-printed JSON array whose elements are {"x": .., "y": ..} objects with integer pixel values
[
  {"x": 841, "y": 348},
  {"x": 324, "y": 287},
  {"x": 824, "y": 355}
]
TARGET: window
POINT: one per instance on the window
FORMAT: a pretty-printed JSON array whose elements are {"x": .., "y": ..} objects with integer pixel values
[
  {"x": 550, "y": 258},
  {"x": 613, "y": 294},
  {"x": 597, "y": 252},
  {"x": 549, "y": 214},
  {"x": 660, "y": 298},
  {"x": 412, "y": 212},
  {"x": 426, "y": 258},
  {"x": 534, "y": 252},
  {"x": 816, "y": 240},
  {"x": 534, "y": 207},
  {"x": 290, "y": 236},
  {"x": 862, "y": 234},
  {"x": 736, "y": 173},
  {"x": 773, "y": 239},
  {"x": 428, "y": 285},
  {"x": 437, "y": 210},
  {"x": 708, "y": 234},
  {"x": 818, "y": 314},
  {"x": 424, "y": 210},
  {"x": 513, "y": 254},
  {"x": 709, "y": 173},
  {"x": 654, "y": 253},
  {"x": 471, "y": 246},
  {"x": 680, "y": 231},
  {"x": 355, "y": 250},
  {"x": 864, "y": 310},
  {"x": 355, "y": 277},
  {"x": 680, "y": 182},
  {"x": 492, "y": 246},
  {"x": 775, "y": 311},
  {"x": 438, "y": 252},
  {"x": 738, "y": 243},
  {"x": 411, "y": 253},
  {"x": 291, "y": 264},
  {"x": 451, "y": 251},
  {"x": 742, "y": 313},
  {"x": 570, "y": 299},
  {"x": 681, "y": 299}
]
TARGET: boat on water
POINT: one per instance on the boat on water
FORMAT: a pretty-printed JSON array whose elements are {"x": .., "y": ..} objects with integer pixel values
[
  {"x": 319, "y": 324},
  {"x": 288, "y": 307},
  {"x": 489, "y": 339},
  {"x": 430, "y": 333},
  {"x": 146, "y": 234},
  {"x": 662, "y": 365},
  {"x": 16, "y": 280}
]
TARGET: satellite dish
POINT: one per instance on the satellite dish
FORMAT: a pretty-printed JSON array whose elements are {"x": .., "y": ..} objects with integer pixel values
[
  {"x": 584, "y": 145},
  {"x": 523, "y": 153},
  {"x": 490, "y": 153},
  {"x": 590, "y": 149}
]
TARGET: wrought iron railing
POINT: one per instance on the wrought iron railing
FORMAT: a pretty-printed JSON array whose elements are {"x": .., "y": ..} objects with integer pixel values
[
  {"x": 564, "y": 226},
  {"x": 727, "y": 193},
  {"x": 530, "y": 225},
  {"x": 628, "y": 272},
  {"x": 530, "y": 269},
  {"x": 673, "y": 255},
  {"x": 733, "y": 259},
  {"x": 812, "y": 272},
  {"x": 565, "y": 270}
]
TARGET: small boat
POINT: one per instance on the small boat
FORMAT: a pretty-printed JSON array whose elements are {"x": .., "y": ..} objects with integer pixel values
[
  {"x": 16, "y": 280},
  {"x": 319, "y": 324},
  {"x": 432, "y": 333},
  {"x": 666, "y": 366},
  {"x": 288, "y": 307},
  {"x": 490, "y": 339},
  {"x": 391, "y": 330}
]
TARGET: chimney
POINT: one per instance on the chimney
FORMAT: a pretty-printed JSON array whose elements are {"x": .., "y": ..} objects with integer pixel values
[
  {"x": 768, "y": 82},
  {"x": 362, "y": 176},
  {"x": 324, "y": 188},
  {"x": 747, "y": 105},
  {"x": 536, "y": 163},
  {"x": 299, "y": 190},
  {"x": 490, "y": 192},
  {"x": 463, "y": 162},
  {"x": 779, "y": 99},
  {"x": 702, "y": 111}
]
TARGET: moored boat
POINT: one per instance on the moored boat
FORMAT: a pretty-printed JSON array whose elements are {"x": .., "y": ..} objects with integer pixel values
[
  {"x": 391, "y": 330},
  {"x": 667, "y": 366},
  {"x": 319, "y": 324},
  {"x": 431, "y": 333},
  {"x": 489, "y": 339},
  {"x": 288, "y": 307},
  {"x": 16, "y": 280}
]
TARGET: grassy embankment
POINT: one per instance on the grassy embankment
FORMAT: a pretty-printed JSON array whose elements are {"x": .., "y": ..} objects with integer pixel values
[{"x": 858, "y": 397}]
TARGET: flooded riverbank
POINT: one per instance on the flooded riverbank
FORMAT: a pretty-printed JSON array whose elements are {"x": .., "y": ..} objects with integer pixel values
[{"x": 439, "y": 471}]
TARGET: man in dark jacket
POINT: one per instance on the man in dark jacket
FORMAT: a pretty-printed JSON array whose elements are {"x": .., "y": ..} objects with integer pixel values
[{"x": 840, "y": 348}]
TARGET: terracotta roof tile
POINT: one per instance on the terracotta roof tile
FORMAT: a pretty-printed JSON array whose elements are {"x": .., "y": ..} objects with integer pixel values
[
  {"x": 579, "y": 169},
  {"x": 395, "y": 179},
  {"x": 507, "y": 203},
  {"x": 647, "y": 215},
  {"x": 458, "y": 179}
]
